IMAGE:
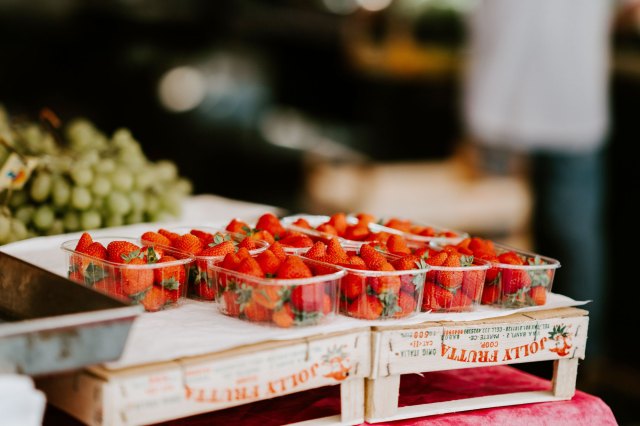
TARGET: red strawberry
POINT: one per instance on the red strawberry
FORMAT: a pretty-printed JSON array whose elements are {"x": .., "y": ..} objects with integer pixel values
[
  {"x": 356, "y": 262},
  {"x": 267, "y": 295},
  {"x": 205, "y": 290},
  {"x": 510, "y": 258},
  {"x": 283, "y": 317},
  {"x": 473, "y": 283},
  {"x": 372, "y": 257},
  {"x": 136, "y": 279},
  {"x": 256, "y": 312},
  {"x": 231, "y": 305},
  {"x": 263, "y": 235},
  {"x": 357, "y": 232},
  {"x": 461, "y": 302},
  {"x": 97, "y": 250},
  {"x": 490, "y": 294},
  {"x": 243, "y": 253},
  {"x": 302, "y": 223},
  {"x": 437, "y": 258},
  {"x": 205, "y": 237},
  {"x": 231, "y": 261},
  {"x": 400, "y": 225},
  {"x": 406, "y": 263},
  {"x": 293, "y": 267},
  {"x": 120, "y": 251},
  {"x": 407, "y": 304},
  {"x": 248, "y": 243},
  {"x": 514, "y": 280},
  {"x": 170, "y": 277},
  {"x": 352, "y": 285},
  {"x": 538, "y": 294},
  {"x": 384, "y": 284},
  {"x": 308, "y": 297},
  {"x": 170, "y": 235},
  {"x": 327, "y": 229},
  {"x": 84, "y": 242},
  {"x": 317, "y": 251},
  {"x": 297, "y": 241},
  {"x": 188, "y": 243},
  {"x": 339, "y": 223},
  {"x": 268, "y": 262},
  {"x": 271, "y": 223},
  {"x": 396, "y": 244},
  {"x": 451, "y": 279},
  {"x": 277, "y": 249},
  {"x": 335, "y": 249},
  {"x": 327, "y": 304},
  {"x": 238, "y": 226},
  {"x": 154, "y": 300},
  {"x": 221, "y": 249},
  {"x": 250, "y": 266},
  {"x": 366, "y": 307},
  {"x": 151, "y": 237},
  {"x": 436, "y": 297}
]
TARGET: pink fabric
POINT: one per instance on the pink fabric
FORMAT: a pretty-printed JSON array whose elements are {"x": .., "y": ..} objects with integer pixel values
[{"x": 583, "y": 409}]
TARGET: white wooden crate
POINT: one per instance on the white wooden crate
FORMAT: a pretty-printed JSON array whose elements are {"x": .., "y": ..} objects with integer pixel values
[
  {"x": 558, "y": 335},
  {"x": 170, "y": 390}
]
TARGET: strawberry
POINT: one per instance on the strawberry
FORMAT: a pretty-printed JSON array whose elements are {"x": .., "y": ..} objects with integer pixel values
[
  {"x": 357, "y": 232},
  {"x": 365, "y": 218},
  {"x": 231, "y": 305},
  {"x": 461, "y": 302},
  {"x": 352, "y": 285},
  {"x": 205, "y": 237},
  {"x": 473, "y": 283},
  {"x": 84, "y": 242},
  {"x": 136, "y": 279},
  {"x": 243, "y": 253},
  {"x": 327, "y": 304},
  {"x": 293, "y": 267},
  {"x": 283, "y": 317},
  {"x": 366, "y": 307},
  {"x": 231, "y": 261},
  {"x": 277, "y": 249},
  {"x": 221, "y": 249},
  {"x": 188, "y": 243},
  {"x": 154, "y": 299},
  {"x": 327, "y": 229},
  {"x": 263, "y": 235},
  {"x": 111, "y": 287},
  {"x": 302, "y": 223},
  {"x": 248, "y": 243},
  {"x": 492, "y": 273},
  {"x": 396, "y": 244},
  {"x": 297, "y": 240},
  {"x": 510, "y": 258},
  {"x": 400, "y": 225},
  {"x": 308, "y": 297},
  {"x": 356, "y": 262},
  {"x": 514, "y": 280},
  {"x": 406, "y": 263},
  {"x": 538, "y": 295},
  {"x": 204, "y": 290},
  {"x": 267, "y": 295},
  {"x": 407, "y": 304},
  {"x": 372, "y": 257},
  {"x": 490, "y": 294},
  {"x": 97, "y": 250},
  {"x": 339, "y": 222},
  {"x": 120, "y": 251},
  {"x": 76, "y": 275},
  {"x": 171, "y": 297},
  {"x": 271, "y": 223},
  {"x": 170, "y": 235},
  {"x": 256, "y": 312},
  {"x": 317, "y": 251},
  {"x": 250, "y": 266},
  {"x": 436, "y": 297},
  {"x": 169, "y": 277},
  {"x": 335, "y": 249},
  {"x": 451, "y": 279},
  {"x": 384, "y": 284},
  {"x": 238, "y": 226},
  {"x": 425, "y": 231},
  {"x": 151, "y": 237},
  {"x": 268, "y": 262}
]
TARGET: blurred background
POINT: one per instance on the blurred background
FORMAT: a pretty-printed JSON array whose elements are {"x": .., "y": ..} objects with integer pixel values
[{"x": 321, "y": 106}]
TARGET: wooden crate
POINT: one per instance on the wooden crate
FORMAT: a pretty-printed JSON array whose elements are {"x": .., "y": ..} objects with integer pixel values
[
  {"x": 558, "y": 335},
  {"x": 165, "y": 391}
]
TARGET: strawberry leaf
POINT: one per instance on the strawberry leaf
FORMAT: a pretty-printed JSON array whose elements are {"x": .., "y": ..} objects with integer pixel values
[
  {"x": 171, "y": 284},
  {"x": 466, "y": 260},
  {"x": 128, "y": 257},
  {"x": 152, "y": 255},
  {"x": 93, "y": 274},
  {"x": 137, "y": 297}
]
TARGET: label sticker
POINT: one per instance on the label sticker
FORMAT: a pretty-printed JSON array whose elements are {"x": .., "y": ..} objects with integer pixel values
[{"x": 15, "y": 172}]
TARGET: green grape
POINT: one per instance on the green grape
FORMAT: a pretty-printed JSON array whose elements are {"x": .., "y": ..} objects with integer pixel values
[
  {"x": 183, "y": 186},
  {"x": 145, "y": 178},
  {"x": 59, "y": 164},
  {"x": 61, "y": 192},
  {"x": 43, "y": 217},
  {"x": 105, "y": 166},
  {"x": 101, "y": 186},
  {"x": 57, "y": 227},
  {"x": 18, "y": 198},
  {"x": 5, "y": 228},
  {"x": 171, "y": 202},
  {"x": 90, "y": 219},
  {"x": 118, "y": 203},
  {"x": 81, "y": 174},
  {"x": 137, "y": 200},
  {"x": 18, "y": 230},
  {"x": 71, "y": 221},
  {"x": 114, "y": 220},
  {"x": 24, "y": 213},
  {"x": 80, "y": 198},
  {"x": 132, "y": 157},
  {"x": 98, "y": 203},
  {"x": 122, "y": 179},
  {"x": 152, "y": 203},
  {"x": 122, "y": 138},
  {"x": 166, "y": 170},
  {"x": 89, "y": 158},
  {"x": 41, "y": 187},
  {"x": 134, "y": 217}
]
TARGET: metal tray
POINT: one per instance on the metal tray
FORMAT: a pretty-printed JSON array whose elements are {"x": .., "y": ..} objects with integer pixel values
[{"x": 49, "y": 324}]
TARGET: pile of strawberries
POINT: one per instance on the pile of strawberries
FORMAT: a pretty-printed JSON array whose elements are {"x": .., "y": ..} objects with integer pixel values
[
  {"x": 119, "y": 270},
  {"x": 510, "y": 286},
  {"x": 272, "y": 287},
  {"x": 270, "y": 229},
  {"x": 207, "y": 247},
  {"x": 407, "y": 226},
  {"x": 376, "y": 286},
  {"x": 338, "y": 226}
]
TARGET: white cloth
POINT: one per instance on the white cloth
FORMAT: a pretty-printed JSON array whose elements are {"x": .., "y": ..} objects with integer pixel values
[
  {"x": 20, "y": 403},
  {"x": 537, "y": 74}
]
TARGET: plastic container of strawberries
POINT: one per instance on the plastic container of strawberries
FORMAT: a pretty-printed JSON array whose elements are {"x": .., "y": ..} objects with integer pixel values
[
  {"x": 382, "y": 295},
  {"x": 157, "y": 285},
  {"x": 515, "y": 286},
  {"x": 434, "y": 235},
  {"x": 279, "y": 302},
  {"x": 454, "y": 288},
  {"x": 201, "y": 277}
]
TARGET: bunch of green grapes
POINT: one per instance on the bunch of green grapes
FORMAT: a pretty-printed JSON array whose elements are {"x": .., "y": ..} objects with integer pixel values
[{"x": 84, "y": 180}]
